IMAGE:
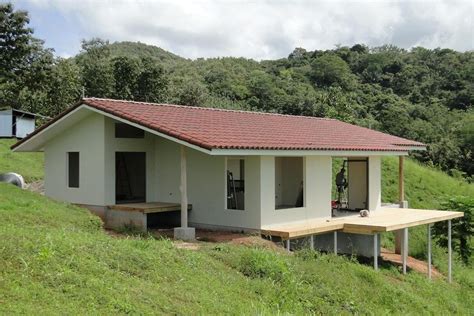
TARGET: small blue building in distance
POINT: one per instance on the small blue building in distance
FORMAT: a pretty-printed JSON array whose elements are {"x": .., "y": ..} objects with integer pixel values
[{"x": 16, "y": 123}]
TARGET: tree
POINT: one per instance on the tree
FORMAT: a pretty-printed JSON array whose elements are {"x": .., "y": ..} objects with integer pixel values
[
  {"x": 97, "y": 73},
  {"x": 462, "y": 228},
  {"x": 66, "y": 87},
  {"x": 16, "y": 41},
  {"x": 125, "y": 71},
  {"x": 331, "y": 70},
  {"x": 152, "y": 85},
  {"x": 24, "y": 64}
]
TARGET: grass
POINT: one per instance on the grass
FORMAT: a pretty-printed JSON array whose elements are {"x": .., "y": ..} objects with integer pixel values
[
  {"x": 57, "y": 259},
  {"x": 29, "y": 165}
]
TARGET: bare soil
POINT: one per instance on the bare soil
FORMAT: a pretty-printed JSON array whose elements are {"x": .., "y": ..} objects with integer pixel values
[{"x": 412, "y": 263}]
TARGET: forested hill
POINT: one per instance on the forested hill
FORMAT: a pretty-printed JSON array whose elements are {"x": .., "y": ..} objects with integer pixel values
[{"x": 421, "y": 94}]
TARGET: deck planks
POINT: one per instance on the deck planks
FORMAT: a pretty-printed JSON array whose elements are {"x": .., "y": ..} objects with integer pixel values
[
  {"x": 382, "y": 220},
  {"x": 149, "y": 207}
]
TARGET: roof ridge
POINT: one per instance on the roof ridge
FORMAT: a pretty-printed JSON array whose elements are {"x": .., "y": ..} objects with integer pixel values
[{"x": 211, "y": 109}]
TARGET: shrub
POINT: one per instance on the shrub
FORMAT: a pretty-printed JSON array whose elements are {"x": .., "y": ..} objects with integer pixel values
[{"x": 462, "y": 228}]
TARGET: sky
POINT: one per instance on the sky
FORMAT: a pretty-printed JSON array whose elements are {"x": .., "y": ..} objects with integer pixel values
[{"x": 252, "y": 29}]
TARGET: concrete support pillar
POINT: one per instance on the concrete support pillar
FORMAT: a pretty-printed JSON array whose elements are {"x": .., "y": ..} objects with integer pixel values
[
  {"x": 335, "y": 243},
  {"x": 184, "y": 232},
  {"x": 312, "y": 242},
  {"x": 288, "y": 248}
]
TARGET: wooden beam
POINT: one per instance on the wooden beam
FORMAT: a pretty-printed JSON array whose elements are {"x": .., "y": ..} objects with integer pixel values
[
  {"x": 183, "y": 189},
  {"x": 401, "y": 182}
]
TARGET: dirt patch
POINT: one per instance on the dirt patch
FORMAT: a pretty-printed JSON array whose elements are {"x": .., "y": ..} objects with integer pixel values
[
  {"x": 412, "y": 263},
  {"x": 212, "y": 236},
  {"x": 36, "y": 186}
]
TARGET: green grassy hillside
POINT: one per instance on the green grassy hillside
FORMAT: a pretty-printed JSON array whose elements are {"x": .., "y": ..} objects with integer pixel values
[
  {"x": 56, "y": 259},
  {"x": 29, "y": 165}
]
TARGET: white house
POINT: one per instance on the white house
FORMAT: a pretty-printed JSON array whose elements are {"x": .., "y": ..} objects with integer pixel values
[
  {"x": 16, "y": 123},
  {"x": 129, "y": 161}
]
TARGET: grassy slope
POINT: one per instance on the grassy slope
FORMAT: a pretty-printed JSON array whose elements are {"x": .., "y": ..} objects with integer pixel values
[
  {"x": 29, "y": 165},
  {"x": 56, "y": 259}
]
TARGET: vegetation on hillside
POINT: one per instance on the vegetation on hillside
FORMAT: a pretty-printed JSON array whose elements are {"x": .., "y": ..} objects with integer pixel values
[
  {"x": 56, "y": 259},
  {"x": 422, "y": 94},
  {"x": 29, "y": 165}
]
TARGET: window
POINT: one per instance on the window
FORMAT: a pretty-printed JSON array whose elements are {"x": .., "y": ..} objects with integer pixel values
[
  {"x": 289, "y": 186},
  {"x": 235, "y": 184},
  {"x": 123, "y": 130},
  {"x": 73, "y": 169}
]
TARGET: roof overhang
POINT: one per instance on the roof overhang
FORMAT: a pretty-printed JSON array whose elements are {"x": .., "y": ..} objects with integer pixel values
[{"x": 37, "y": 140}]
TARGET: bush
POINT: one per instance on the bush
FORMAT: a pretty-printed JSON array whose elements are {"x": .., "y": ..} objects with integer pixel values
[
  {"x": 462, "y": 228},
  {"x": 257, "y": 263}
]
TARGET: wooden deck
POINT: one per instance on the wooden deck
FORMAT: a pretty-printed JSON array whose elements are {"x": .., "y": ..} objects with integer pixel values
[
  {"x": 382, "y": 220},
  {"x": 150, "y": 207}
]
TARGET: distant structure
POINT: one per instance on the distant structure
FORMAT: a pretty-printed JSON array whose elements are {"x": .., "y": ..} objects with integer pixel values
[{"x": 16, "y": 123}]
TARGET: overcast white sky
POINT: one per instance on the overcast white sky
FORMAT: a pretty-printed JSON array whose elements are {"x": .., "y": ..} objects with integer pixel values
[{"x": 253, "y": 29}]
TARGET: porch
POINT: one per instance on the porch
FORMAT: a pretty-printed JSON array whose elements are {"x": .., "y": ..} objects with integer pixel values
[{"x": 379, "y": 221}]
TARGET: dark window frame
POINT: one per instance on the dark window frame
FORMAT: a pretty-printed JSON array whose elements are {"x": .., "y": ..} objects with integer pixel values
[{"x": 73, "y": 169}]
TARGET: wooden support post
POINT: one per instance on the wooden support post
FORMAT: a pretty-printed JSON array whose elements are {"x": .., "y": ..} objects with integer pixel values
[
  {"x": 376, "y": 264},
  {"x": 429, "y": 250},
  {"x": 405, "y": 250},
  {"x": 184, "y": 190},
  {"x": 401, "y": 182},
  {"x": 335, "y": 243},
  {"x": 450, "y": 253},
  {"x": 312, "y": 242},
  {"x": 288, "y": 245}
]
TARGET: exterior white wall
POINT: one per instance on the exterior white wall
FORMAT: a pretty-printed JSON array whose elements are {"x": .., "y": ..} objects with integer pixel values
[
  {"x": 94, "y": 138},
  {"x": 317, "y": 191},
  {"x": 87, "y": 138},
  {"x": 113, "y": 145},
  {"x": 24, "y": 126},
  {"x": 206, "y": 186},
  {"x": 375, "y": 183},
  {"x": 6, "y": 123}
]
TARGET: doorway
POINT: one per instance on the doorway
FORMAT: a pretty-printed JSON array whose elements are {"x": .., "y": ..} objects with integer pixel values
[{"x": 130, "y": 177}]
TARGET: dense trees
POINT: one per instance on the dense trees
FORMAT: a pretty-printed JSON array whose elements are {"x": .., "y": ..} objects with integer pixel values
[{"x": 421, "y": 94}]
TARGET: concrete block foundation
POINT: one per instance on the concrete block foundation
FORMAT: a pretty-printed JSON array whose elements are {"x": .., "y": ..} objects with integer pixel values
[
  {"x": 185, "y": 233},
  {"x": 351, "y": 244}
]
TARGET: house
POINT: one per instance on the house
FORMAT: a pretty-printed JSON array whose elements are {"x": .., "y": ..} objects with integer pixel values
[
  {"x": 16, "y": 123},
  {"x": 130, "y": 162}
]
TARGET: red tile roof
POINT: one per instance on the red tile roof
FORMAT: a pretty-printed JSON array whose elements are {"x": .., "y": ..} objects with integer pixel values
[{"x": 227, "y": 129}]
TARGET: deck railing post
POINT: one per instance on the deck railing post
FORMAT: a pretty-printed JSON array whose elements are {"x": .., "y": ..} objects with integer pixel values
[
  {"x": 376, "y": 264},
  {"x": 405, "y": 250},
  {"x": 450, "y": 253},
  {"x": 429, "y": 250}
]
